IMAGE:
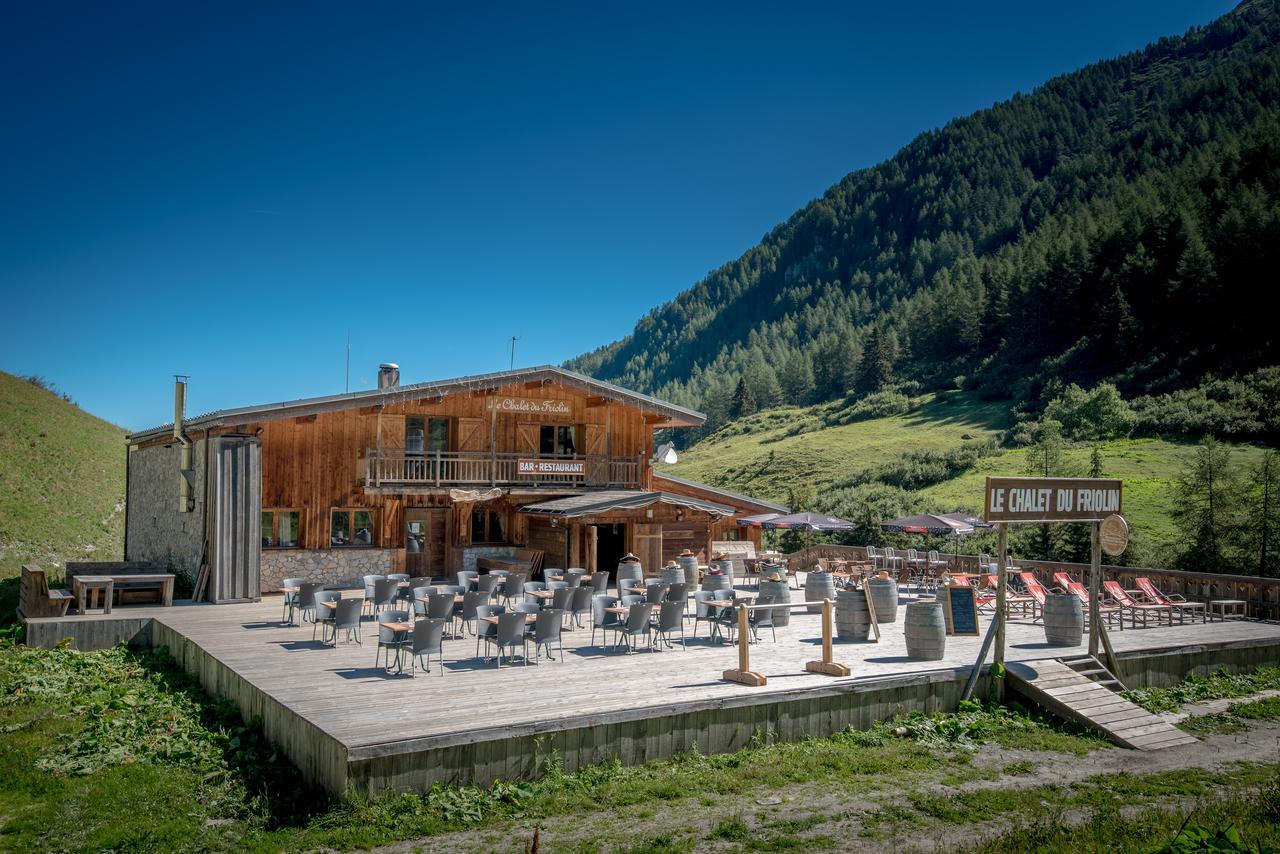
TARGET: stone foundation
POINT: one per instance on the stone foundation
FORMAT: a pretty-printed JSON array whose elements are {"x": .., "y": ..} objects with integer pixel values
[
  {"x": 470, "y": 554},
  {"x": 326, "y": 566}
]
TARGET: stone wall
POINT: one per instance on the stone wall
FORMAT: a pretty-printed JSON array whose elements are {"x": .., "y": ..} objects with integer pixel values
[
  {"x": 470, "y": 553},
  {"x": 342, "y": 567},
  {"x": 157, "y": 532}
]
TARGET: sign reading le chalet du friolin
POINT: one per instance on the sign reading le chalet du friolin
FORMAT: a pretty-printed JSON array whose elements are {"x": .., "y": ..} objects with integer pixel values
[
  {"x": 1052, "y": 499},
  {"x": 524, "y": 404}
]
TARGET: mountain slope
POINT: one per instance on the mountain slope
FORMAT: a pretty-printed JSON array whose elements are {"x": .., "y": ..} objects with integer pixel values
[
  {"x": 1068, "y": 234},
  {"x": 61, "y": 480}
]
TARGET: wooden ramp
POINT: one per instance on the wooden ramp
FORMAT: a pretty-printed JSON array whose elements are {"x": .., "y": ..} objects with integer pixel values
[{"x": 1082, "y": 690}]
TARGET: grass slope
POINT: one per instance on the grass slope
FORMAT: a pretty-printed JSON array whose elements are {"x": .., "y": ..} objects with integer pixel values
[
  {"x": 757, "y": 455},
  {"x": 61, "y": 480}
]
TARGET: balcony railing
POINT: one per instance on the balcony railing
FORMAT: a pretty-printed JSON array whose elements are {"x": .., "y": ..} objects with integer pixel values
[{"x": 391, "y": 468}]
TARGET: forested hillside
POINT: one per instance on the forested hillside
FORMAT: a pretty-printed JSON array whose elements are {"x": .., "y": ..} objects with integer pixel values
[{"x": 1120, "y": 223}]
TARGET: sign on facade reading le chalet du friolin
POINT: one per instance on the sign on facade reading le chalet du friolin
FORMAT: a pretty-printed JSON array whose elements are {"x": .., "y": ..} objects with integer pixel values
[
  {"x": 522, "y": 404},
  {"x": 1052, "y": 499}
]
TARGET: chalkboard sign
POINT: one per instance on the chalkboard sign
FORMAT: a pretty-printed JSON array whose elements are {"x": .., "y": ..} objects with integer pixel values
[{"x": 960, "y": 609}]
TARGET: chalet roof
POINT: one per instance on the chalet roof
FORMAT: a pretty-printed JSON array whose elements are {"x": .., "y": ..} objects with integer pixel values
[
  {"x": 732, "y": 497},
  {"x": 679, "y": 416},
  {"x": 592, "y": 503}
]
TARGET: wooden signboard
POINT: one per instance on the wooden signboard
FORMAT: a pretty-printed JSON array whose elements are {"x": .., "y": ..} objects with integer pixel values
[
  {"x": 527, "y": 405},
  {"x": 960, "y": 610},
  {"x": 871, "y": 611},
  {"x": 1052, "y": 499},
  {"x": 541, "y": 468},
  {"x": 1113, "y": 534}
]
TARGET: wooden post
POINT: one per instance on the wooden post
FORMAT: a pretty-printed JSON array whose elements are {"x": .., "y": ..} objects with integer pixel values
[
  {"x": 1095, "y": 586},
  {"x": 827, "y": 665},
  {"x": 743, "y": 674},
  {"x": 1002, "y": 578}
]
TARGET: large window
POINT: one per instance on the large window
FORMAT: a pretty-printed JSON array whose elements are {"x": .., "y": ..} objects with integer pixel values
[
  {"x": 488, "y": 526},
  {"x": 426, "y": 435},
  {"x": 281, "y": 529},
  {"x": 352, "y": 527},
  {"x": 557, "y": 440}
]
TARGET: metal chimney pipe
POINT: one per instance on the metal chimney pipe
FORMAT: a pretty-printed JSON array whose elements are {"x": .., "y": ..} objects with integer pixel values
[
  {"x": 388, "y": 375},
  {"x": 184, "y": 457}
]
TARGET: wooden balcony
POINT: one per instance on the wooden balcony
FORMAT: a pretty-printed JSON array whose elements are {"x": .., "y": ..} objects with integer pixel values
[{"x": 443, "y": 469}]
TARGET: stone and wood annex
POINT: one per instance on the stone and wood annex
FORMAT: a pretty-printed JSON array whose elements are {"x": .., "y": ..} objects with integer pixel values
[{"x": 423, "y": 479}]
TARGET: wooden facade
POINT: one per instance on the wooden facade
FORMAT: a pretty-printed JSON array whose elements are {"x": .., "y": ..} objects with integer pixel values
[{"x": 430, "y": 504}]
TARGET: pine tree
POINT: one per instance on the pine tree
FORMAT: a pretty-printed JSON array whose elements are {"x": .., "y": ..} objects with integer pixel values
[
  {"x": 796, "y": 378},
  {"x": 742, "y": 403},
  {"x": 875, "y": 371},
  {"x": 1205, "y": 507},
  {"x": 1262, "y": 522},
  {"x": 1044, "y": 459}
]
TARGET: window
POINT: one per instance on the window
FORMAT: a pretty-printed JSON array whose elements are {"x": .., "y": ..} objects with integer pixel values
[
  {"x": 281, "y": 529},
  {"x": 352, "y": 527},
  {"x": 557, "y": 440},
  {"x": 488, "y": 526},
  {"x": 426, "y": 434}
]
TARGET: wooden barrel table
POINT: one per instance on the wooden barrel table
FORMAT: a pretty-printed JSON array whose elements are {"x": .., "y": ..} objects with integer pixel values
[
  {"x": 628, "y": 570},
  {"x": 853, "y": 620},
  {"x": 781, "y": 592},
  {"x": 818, "y": 586},
  {"x": 1063, "y": 619},
  {"x": 884, "y": 596},
  {"x": 717, "y": 582},
  {"x": 925, "y": 630},
  {"x": 689, "y": 563}
]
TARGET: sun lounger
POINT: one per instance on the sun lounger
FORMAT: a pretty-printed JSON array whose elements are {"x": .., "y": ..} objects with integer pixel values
[
  {"x": 1173, "y": 600},
  {"x": 1135, "y": 602},
  {"x": 1109, "y": 610}
]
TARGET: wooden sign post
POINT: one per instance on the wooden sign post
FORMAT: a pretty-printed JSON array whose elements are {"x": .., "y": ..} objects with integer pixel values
[{"x": 1020, "y": 500}]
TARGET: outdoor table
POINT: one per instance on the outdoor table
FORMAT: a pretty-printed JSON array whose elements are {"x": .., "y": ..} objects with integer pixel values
[
  {"x": 1237, "y": 609},
  {"x": 720, "y": 605},
  {"x": 542, "y": 594},
  {"x": 400, "y": 629},
  {"x": 102, "y": 585},
  {"x": 493, "y": 621},
  {"x": 622, "y": 611}
]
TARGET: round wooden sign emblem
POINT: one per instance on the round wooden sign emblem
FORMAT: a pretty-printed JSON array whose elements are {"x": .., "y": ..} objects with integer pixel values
[{"x": 1113, "y": 535}]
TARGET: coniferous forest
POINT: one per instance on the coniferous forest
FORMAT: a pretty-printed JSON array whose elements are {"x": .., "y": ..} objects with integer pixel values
[{"x": 1119, "y": 224}]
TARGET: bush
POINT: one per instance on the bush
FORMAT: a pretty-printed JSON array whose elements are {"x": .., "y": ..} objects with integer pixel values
[
  {"x": 1239, "y": 408},
  {"x": 920, "y": 469},
  {"x": 1090, "y": 416},
  {"x": 880, "y": 404}
]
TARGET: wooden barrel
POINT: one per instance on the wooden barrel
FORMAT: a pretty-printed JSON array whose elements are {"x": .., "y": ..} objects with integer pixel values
[
  {"x": 925, "y": 630},
  {"x": 629, "y": 571},
  {"x": 725, "y": 565},
  {"x": 1063, "y": 619},
  {"x": 819, "y": 586},
  {"x": 853, "y": 621},
  {"x": 689, "y": 563},
  {"x": 884, "y": 596},
  {"x": 717, "y": 582},
  {"x": 672, "y": 575},
  {"x": 781, "y": 594}
]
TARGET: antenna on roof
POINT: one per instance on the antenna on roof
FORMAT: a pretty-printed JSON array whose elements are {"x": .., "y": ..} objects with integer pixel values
[
  {"x": 512, "y": 365},
  {"x": 346, "y": 383}
]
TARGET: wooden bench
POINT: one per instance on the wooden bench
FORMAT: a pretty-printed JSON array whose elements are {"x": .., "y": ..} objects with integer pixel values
[
  {"x": 35, "y": 599},
  {"x": 135, "y": 590}
]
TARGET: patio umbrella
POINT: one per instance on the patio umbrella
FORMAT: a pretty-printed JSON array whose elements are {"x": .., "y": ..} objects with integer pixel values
[
  {"x": 757, "y": 521},
  {"x": 935, "y": 525},
  {"x": 807, "y": 522}
]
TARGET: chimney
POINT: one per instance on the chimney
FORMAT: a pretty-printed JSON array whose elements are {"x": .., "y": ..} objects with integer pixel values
[
  {"x": 388, "y": 375},
  {"x": 185, "y": 502}
]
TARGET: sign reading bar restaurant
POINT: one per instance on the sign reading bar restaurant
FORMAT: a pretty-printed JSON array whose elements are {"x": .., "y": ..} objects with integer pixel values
[
  {"x": 524, "y": 404},
  {"x": 1052, "y": 499},
  {"x": 563, "y": 468}
]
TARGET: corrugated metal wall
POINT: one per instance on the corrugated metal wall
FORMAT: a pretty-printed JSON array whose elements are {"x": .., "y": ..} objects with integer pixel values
[{"x": 237, "y": 508}]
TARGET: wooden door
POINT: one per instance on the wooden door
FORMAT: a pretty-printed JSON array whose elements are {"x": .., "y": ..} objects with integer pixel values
[
  {"x": 528, "y": 438},
  {"x": 424, "y": 542},
  {"x": 594, "y": 447},
  {"x": 648, "y": 547},
  {"x": 473, "y": 434}
]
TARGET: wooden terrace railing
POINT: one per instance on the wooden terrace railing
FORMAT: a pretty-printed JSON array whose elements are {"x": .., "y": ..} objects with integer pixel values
[
  {"x": 484, "y": 468},
  {"x": 1261, "y": 594}
]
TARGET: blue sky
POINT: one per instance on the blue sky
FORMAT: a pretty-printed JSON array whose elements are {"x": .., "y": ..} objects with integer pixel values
[{"x": 226, "y": 190}]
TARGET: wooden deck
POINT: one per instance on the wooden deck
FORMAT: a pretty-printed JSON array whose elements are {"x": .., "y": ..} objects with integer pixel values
[
  {"x": 347, "y": 724},
  {"x": 1051, "y": 683}
]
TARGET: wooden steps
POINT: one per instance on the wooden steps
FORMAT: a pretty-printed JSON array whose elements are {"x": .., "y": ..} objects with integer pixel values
[{"x": 1082, "y": 690}]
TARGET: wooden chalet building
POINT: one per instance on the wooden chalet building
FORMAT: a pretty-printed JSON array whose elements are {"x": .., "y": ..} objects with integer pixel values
[{"x": 423, "y": 479}]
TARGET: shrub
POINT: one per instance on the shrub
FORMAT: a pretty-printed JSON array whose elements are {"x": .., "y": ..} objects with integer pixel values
[{"x": 1086, "y": 416}]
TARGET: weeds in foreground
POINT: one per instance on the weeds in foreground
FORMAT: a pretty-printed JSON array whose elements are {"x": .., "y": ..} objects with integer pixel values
[{"x": 1215, "y": 686}]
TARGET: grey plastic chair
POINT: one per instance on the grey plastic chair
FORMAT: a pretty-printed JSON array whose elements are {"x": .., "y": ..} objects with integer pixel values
[
  {"x": 307, "y": 600},
  {"x": 420, "y": 597},
  {"x": 511, "y": 633},
  {"x": 562, "y": 601},
  {"x": 637, "y": 624},
  {"x": 573, "y": 576},
  {"x": 762, "y": 619},
  {"x": 600, "y": 619},
  {"x": 427, "y": 640},
  {"x": 553, "y": 574},
  {"x": 600, "y": 583},
  {"x": 629, "y": 599},
  {"x": 398, "y": 577},
  {"x": 556, "y": 585},
  {"x": 671, "y": 620},
  {"x": 486, "y": 631},
  {"x": 580, "y": 604},
  {"x": 388, "y": 639},
  {"x": 471, "y": 601},
  {"x": 486, "y": 584},
  {"x": 655, "y": 593},
  {"x": 702, "y": 613},
  {"x": 725, "y": 618},
  {"x": 346, "y": 618},
  {"x": 385, "y": 593},
  {"x": 290, "y": 599},
  {"x": 546, "y": 630},
  {"x": 467, "y": 579},
  {"x": 440, "y": 607},
  {"x": 370, "y": 594},
  {"x": 324, "y": 617},
  {"x": 533, "y": 587},
  {"x": 513, "y": 586},
  {"x": 677, "y": 593}
]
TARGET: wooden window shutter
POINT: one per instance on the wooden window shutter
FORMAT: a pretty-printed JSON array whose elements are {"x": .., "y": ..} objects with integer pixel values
[
  {"x": 528, "y": 438},
  {"x": 473, "y": 434}
]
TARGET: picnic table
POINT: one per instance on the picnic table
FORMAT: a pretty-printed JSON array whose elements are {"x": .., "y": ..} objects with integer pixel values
[
  {"x": 84, "y": 587},
  {"x": 107, "y": 582}
]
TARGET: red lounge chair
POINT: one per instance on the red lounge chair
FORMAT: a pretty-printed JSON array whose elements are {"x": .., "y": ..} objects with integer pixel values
[
  {"x": 1137, "y": 606},
  {"x": 1107, "y": 608},
  {"x": 1035, "y": 589},
  {"x": 1062, "y": 582},
  {"x": 1173, "y": 600},
  {"x": 987, "y": 596}
]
